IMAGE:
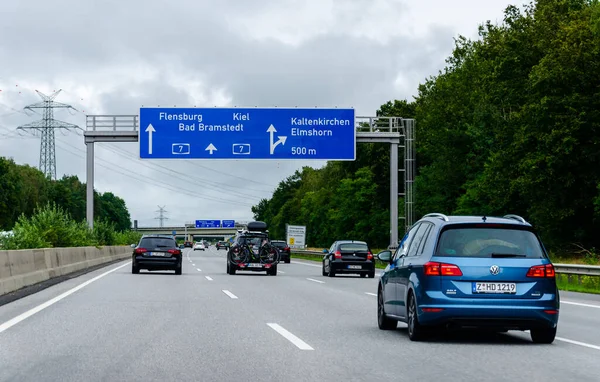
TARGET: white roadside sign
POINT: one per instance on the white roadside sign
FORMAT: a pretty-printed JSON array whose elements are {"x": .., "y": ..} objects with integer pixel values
[{"x": 296, "y": 236}]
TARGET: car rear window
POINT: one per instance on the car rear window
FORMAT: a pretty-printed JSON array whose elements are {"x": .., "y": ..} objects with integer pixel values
[
  {"x": 489, "y": 242},
  {"x": 157, "y": 242},
  {"x": 353, "y": 247}
]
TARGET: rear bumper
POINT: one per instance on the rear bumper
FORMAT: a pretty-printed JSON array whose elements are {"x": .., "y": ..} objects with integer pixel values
[
  {"x": 245, "y": 267},
  {"x": 509, "y": 315},
  {"x": 350, "y": 266},
  {"x": 157, "y": 263}
]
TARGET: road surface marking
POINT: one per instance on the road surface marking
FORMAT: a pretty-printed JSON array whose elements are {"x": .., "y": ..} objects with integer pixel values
[
  {"x": 290, "y": 337},
  {"x": 280, "y": 272},
  {"x": 199, "y": 270},
  {"x": 228, "y": 293},
  {"x": 307, "y": 264},
  {"x": 371, "y": 294},
  {"x": 317, "y": 281},
  {"x": 193, "y": 264},
  {"x": 595, "y": 347},
  {"x": 208, "y": 278},
  {"x": 10, "y": 323},
  {"x": 580, "y": 304}
]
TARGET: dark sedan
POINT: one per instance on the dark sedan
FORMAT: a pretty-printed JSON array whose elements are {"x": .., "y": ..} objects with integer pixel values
[
  {"x": 349, "y": 256},
  {"x": 156, "y": 253},
  {"x": 285, "y": 253}
]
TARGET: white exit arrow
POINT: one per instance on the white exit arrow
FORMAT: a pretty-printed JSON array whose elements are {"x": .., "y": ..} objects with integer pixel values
[
  {"x": 211, "y": 148},
  {"x": 150, "y": 130},
  {"x": 281, "y": 139}
]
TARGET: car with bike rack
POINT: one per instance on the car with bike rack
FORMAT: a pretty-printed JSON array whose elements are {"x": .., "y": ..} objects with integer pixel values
[{"x": 252, "y": 251}]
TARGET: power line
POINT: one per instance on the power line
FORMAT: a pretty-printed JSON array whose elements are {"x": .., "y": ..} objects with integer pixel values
[
  {"x": 47, "y": 125},
  {"x": 161, "y": 215}
]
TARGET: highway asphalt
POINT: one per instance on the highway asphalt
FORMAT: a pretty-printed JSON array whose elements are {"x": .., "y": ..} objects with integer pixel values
[{"x": 206, "y": 325}]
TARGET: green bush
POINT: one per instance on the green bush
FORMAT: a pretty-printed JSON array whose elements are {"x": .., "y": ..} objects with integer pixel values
[
  {"x": 127, "y": 238},
  {"x": 104, "y": 233},
  {"x": 51, "y": 226}
]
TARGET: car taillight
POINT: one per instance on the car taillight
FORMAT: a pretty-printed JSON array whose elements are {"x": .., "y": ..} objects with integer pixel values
[
  {"x": 139, "y": 251},
  {"x": 174, "y": 251},
  {"x": 338, "y": 255},
  {"x": 369, "y": 256},
  {"x": 286, "y": 249},
  {"x": 441, "y": 269},
  {"x": 541, "y": 271}
]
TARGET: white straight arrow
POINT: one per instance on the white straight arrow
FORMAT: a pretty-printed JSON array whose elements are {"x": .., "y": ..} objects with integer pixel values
[
  {"x": 211, "y": 148},
  {"x": 150, "y": 130}
]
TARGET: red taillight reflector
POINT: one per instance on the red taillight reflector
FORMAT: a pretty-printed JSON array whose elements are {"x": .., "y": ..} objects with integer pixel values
[
  {"x": 241, "y": 265},
  {"x": 286, "y": 249},
  {"x": 441, "y": 269},
  {"x": 541, "y": 271},
  {"x": 551, "y": 311},
  {"x": 174, "y": 251},
  {"x": 338, "y": 255},
  {"x": 369, "y": 256},
  {"x": 140, "y": 250},
  {"x": 451, "y": 270},
  {"x": 431, "y": 310}
]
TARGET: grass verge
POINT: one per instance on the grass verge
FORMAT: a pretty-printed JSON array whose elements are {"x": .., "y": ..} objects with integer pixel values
[{"x": 582, "y": 284}]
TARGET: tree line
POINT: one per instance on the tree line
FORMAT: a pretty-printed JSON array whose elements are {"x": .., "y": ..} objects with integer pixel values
[
  {"x": 510, "y": 125},
  {"x": 23, "y": 188}
]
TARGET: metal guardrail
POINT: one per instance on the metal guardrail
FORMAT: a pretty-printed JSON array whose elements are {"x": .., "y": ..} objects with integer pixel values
[{"x": 567, "y": 269}]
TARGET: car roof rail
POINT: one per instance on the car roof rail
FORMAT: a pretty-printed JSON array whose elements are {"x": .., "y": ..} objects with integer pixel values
[
  {"x": 437, "y": 215},
  {"x": 515, "y": 217}
]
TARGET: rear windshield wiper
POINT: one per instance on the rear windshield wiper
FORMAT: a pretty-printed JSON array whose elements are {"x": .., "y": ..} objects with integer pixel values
[{"x": 497, "y": 255}]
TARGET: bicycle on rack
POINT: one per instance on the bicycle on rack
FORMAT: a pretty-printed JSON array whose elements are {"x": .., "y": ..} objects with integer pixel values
[{"x": 248, "y": 253}]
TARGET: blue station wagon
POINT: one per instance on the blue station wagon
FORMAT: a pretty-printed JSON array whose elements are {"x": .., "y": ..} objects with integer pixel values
[{"x": 469, "y": 272}]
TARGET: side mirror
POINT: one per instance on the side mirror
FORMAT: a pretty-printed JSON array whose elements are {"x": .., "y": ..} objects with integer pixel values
[
  {"x": 325, "y": 251},
  {"x": 132, "y": 245},
  {"x": 385, "y": 256}
]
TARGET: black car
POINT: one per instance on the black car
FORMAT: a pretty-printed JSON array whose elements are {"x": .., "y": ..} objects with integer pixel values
[
  {"x": 187, "y": 244},
  {"x": 252, "y": 251},
  {"x": 285, "y": 253},
  {"x": 349, "y": 256},
  {"x": 222, "y": 244},
  {"x": 156, "y": 253}
]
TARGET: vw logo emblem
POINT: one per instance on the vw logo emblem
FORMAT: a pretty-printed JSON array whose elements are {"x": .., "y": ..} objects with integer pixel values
[{"x": 494, "y": 269}]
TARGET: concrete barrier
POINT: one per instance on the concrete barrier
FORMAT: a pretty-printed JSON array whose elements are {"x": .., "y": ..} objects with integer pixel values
[{"x": 22, "y": 268}]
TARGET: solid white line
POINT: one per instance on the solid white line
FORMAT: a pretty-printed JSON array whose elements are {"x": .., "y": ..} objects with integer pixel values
[
  {"x": 228, "y": 293},
  {"x": 317, "y": 281},
  {"x": 307, "y": 264},
  {"x": 595, "y": 347},
  {"x": 10, "y": 323},
  {"x": 290, "y": 337},
  {"x": 199, "y": 270},
  {"x": 371, "y": 294},
  {"x": 580, "y": 304},
  {"x": 208, "y": 278}
]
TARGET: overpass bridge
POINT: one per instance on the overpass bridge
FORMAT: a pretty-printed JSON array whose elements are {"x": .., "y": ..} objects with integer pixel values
[{"x": 191, "y": 233}]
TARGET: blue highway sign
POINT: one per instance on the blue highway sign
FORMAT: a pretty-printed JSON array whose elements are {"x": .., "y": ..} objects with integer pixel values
[
  {"x": 208, "y": 224},
  {"x": 228, "y": 223},
  {"x": 247, "y": 133}
]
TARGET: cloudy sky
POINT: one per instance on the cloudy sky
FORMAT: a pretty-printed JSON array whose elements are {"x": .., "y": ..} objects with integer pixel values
[{"x": 113, "y": 56}]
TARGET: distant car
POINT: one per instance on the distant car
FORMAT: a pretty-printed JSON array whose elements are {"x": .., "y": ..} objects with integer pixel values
[
  {"x": 348, "y": 256},
  {"x": 285, "y": 253},
  {"x": 252, "y": 251},
  {"x": 156, "y": 253},
  {"x": 222, "y": 244},
  {"x": 187, "y": 244},
  {"x": 199, "y": 246},
  {"x": 473, "y": 272}
]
